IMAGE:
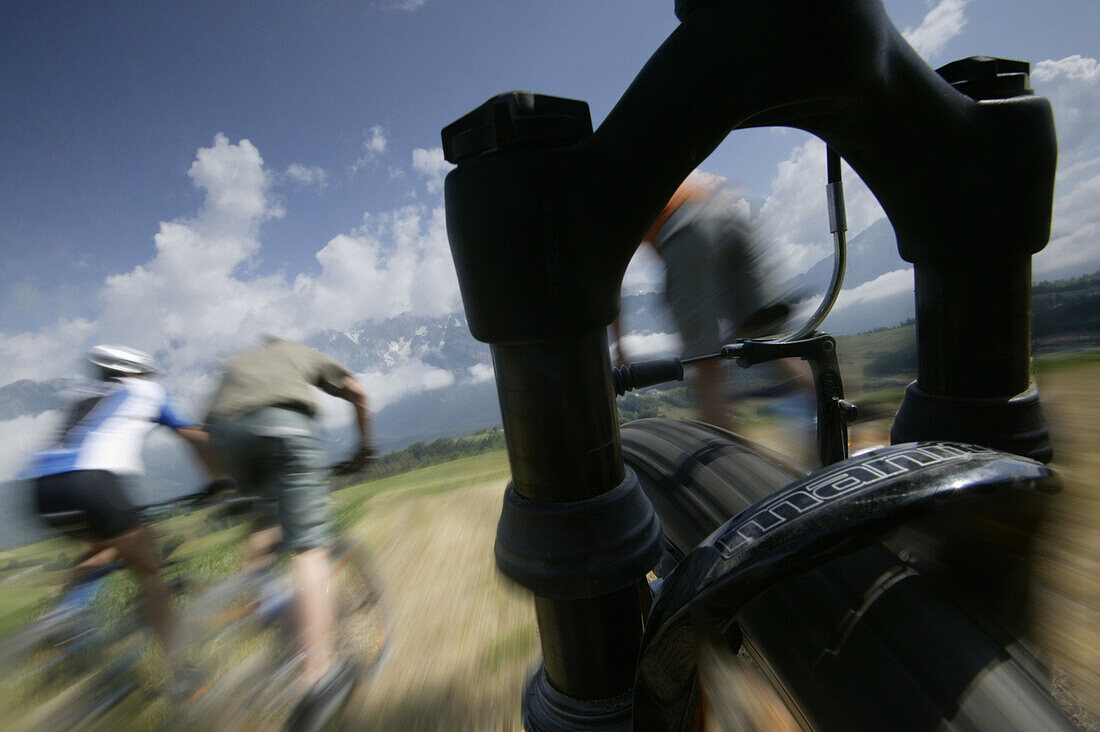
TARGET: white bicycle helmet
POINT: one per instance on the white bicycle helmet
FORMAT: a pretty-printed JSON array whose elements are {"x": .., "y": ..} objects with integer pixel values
[{"x": 110, "y": 361}]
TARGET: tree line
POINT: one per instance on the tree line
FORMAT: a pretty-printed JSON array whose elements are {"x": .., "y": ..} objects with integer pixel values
[{"x": 423, "y": 454}]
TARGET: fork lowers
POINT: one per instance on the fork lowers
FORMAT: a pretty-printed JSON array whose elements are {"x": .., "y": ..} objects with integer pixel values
[
  {"x": 973, "y": 360},
  {"x": 576, "y": 529}
]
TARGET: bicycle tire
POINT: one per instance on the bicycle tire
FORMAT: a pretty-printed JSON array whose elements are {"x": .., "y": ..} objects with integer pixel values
[
  {"x": 246, "y": 655},
  {"x": 864, "y": 642},
  {"x": 18, "y": 644},
  {"x": 62, "y": 683}
]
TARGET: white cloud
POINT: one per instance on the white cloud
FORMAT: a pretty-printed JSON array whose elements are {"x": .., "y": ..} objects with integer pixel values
[
  {"x": 885, "y": 300},
  {"x": 480, "y": 372},
  {"x": 886, "y": 285},
  {"x": 235, "y": 183},
  {"x": 45, "y": 354},
  {"x": 707, "y": 180},
  {"x": 942, "y": 23},
  {"x": 651, "y": 344},
  {"x": 19, "y": 436},
  {"x": 1074, "y": 246},
  {"x": 198, "y": 298},
  {"x": 195, "y": 297},
  {"x": 386, "y": 387},
  {"x": 307, "y": 175},
  {"x": 408, "y": 6},
  {"x": 374, "y": 146},
  {"x": 430, "y": 164},
  {"x": 1073, "y": 67},
  {"x": 1073, "y": 86},
  {"x": 397, "y": 262},
  {"x": 375, "y": 141}
]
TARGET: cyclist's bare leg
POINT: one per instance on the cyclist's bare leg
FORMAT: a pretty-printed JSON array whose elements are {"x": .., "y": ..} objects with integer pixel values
[
  {"x": 261, "y": 546},
  {"x": 712, "y": 404},
  {"x": 140, "y": 555},
  {"x": 315, "y": 613},
  {"x": 98, "y": 555}
]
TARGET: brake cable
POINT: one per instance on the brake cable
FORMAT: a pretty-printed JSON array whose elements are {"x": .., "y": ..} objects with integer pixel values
[{"x": 659, "y": 371}]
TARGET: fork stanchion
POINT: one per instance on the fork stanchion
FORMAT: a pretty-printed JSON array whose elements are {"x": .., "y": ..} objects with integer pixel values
[{"x": 576, "y": 529}]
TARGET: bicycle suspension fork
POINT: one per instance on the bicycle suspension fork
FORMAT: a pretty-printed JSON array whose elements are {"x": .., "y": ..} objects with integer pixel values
[
  {"x": 575, "y": 529},
  {"x": 543, "y": 215},
  {"x": 572, "y": 516},
  {"x": 974, "y": 307}
]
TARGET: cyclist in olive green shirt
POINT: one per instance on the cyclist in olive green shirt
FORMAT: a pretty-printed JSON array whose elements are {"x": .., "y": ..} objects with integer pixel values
[{"x": 262, "y": 421}]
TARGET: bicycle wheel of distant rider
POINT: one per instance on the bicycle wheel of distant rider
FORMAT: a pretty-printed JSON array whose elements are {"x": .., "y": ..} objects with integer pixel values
[
  {"x": 67, "y": 669},
  {"x": 865, "y": 642},
  {"x": 240, "y": 637}
]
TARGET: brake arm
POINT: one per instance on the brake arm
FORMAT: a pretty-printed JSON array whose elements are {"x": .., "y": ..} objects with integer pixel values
[{"x": 834, "y": 412}]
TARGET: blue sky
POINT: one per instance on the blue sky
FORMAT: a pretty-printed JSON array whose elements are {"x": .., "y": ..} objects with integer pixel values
[{"x": 180, "y": 176}]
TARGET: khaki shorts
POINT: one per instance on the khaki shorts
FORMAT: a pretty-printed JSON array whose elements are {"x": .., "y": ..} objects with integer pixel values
[{"x": 276, "y": 452}]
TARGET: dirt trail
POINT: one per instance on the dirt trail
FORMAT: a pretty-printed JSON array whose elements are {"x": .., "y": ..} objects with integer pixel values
[
  {"x": 463, "y": 640},
  {"x": 1069, "y": 569}
]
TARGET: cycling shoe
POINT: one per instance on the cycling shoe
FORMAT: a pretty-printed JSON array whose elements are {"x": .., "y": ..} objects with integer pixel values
[{"x": 324, "y": 701}]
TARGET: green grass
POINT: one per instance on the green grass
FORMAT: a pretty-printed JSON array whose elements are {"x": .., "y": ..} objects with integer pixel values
[
  {"x": 31, "y": 578},
  {"x": 432, "y": 479},
  {"x": 208, "y": 551},
  {"x": 19, "y": 605},
  {"x": 514, "y": 646},
  {"x": 855, "y": 353},
  {"x": 1065, "y": 362},
  {"x": 351, "y": 501}
]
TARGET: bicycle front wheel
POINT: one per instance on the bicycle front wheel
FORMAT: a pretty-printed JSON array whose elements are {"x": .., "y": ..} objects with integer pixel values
[
  {"x": 865, "y": 642},
  {"x": 240, "y": 637}
]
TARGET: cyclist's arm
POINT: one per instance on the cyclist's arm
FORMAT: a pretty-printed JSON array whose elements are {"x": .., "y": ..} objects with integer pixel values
[
  {"x": 199, "y": 441},
  {"x": 352, "y": 392},
  {"x": 336, "y": 380},
  {"x": 173, "y": 417}
]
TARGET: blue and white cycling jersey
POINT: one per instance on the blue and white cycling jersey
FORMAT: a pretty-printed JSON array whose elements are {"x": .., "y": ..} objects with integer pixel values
[{"x": 105, "y": 428}]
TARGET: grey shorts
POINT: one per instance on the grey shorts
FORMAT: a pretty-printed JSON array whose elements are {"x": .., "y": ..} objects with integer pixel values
[
  {"x": 713, "y": 279},
  {"x": 276, "y": 452}
]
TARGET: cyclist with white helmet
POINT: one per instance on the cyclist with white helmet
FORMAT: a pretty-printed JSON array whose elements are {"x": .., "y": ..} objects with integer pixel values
[{"x": 98, "y": 449}]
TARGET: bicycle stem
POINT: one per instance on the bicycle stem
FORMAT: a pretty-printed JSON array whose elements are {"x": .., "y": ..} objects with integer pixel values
[{"x": 543, "y": 216}]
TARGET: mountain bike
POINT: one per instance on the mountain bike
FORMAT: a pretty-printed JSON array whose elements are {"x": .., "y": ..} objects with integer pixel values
[
  {"x": 239, "y": 634},
  {"x": 878, "y": 592},
  {"x": 81, "y": 659}
]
